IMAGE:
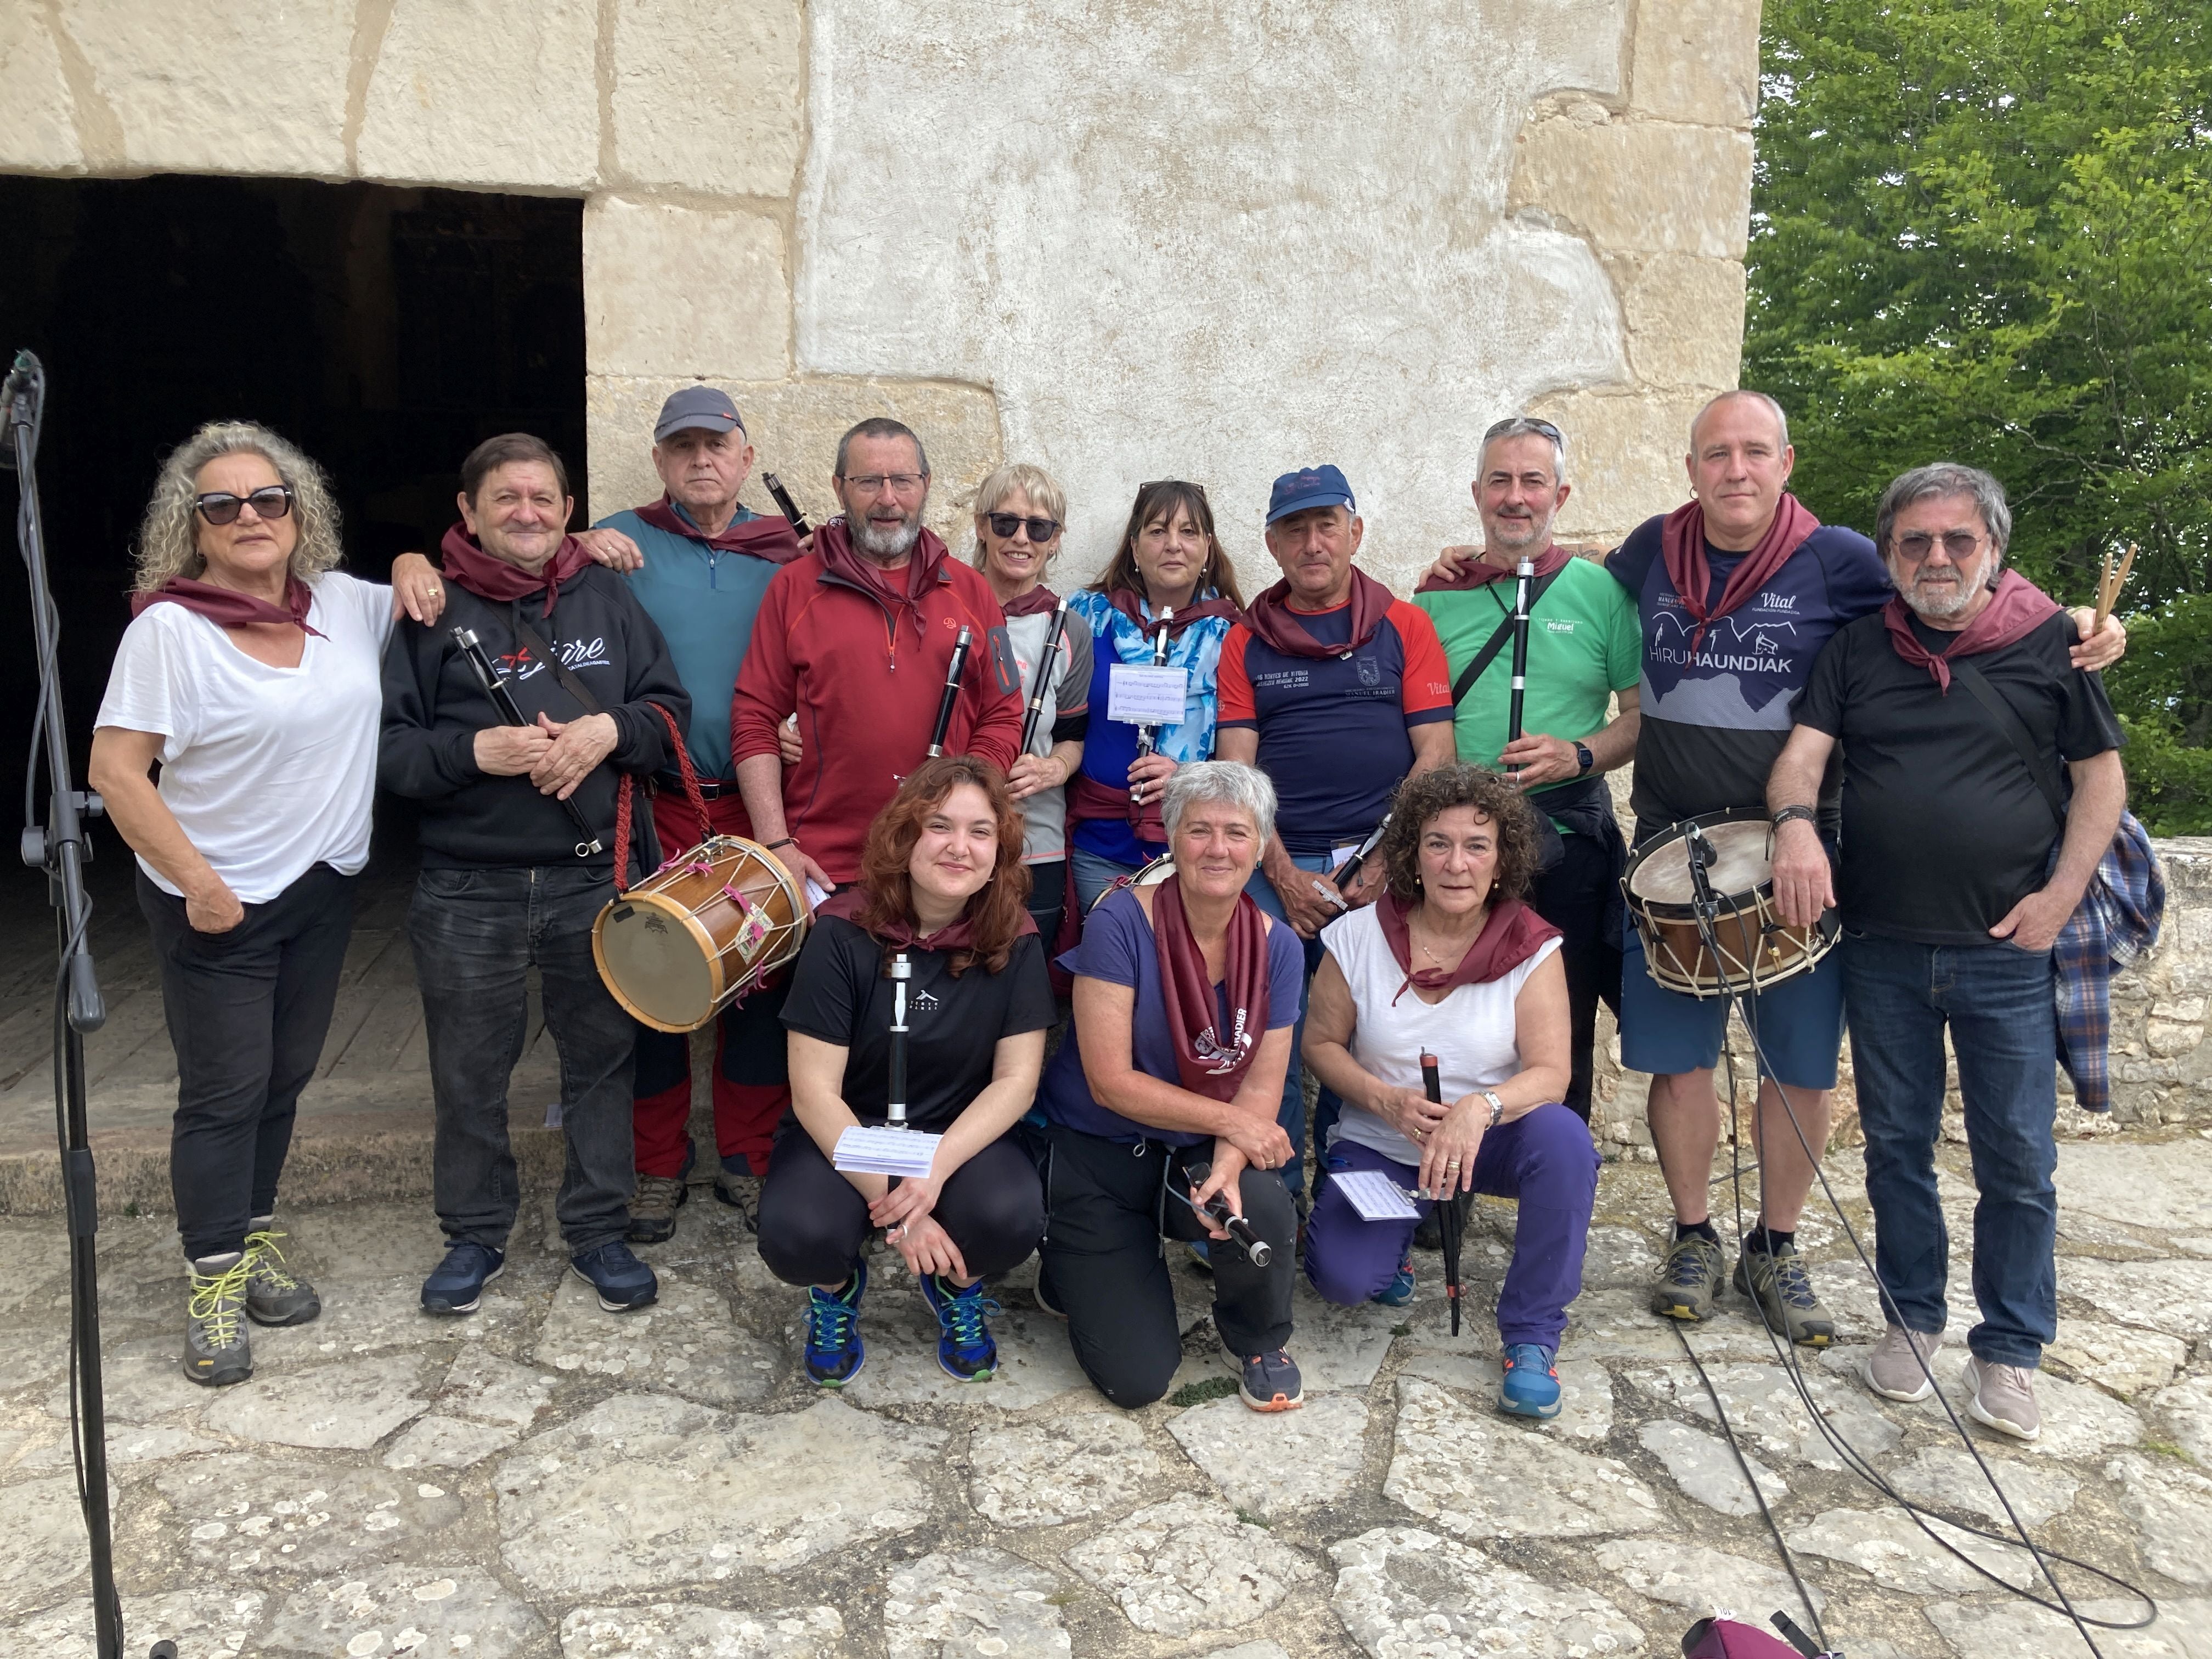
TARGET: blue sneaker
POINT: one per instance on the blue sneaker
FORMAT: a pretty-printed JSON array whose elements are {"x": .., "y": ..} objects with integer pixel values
[
  {"x": 833, "y": 1351},
  {"x": 965, "y": 1346},
  {"x": 456, "y": 1285},
  {"x": 1530, "y": 1386},
  {"x": 622, "y": 1281},
  {"x": 1400, "y": 1290}
]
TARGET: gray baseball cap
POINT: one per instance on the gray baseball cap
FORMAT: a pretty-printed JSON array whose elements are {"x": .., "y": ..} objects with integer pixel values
[{"x": 700, "y": 406}]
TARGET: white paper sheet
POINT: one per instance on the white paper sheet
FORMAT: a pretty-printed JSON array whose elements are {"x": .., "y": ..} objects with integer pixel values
[
  {"x": 863, "y": 1150},
  {"x": 1140, "y": 694},
  {"x": 1374, "y": 1194}
]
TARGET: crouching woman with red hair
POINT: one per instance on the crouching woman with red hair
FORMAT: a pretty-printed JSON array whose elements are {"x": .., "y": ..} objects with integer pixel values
[{"x": 942, "y": 884}]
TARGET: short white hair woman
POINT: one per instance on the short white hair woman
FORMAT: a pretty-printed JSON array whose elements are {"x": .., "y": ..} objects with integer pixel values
[{"x": 251, "y": 673}]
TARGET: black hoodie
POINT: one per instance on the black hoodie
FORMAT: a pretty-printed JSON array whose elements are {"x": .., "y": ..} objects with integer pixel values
[{"x": 433, "y": 706}]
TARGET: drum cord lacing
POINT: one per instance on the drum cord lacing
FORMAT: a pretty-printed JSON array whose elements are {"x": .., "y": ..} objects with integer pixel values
[
  {"x": 1854, "y": 1461},
  {"x": 625, "y": 794}
]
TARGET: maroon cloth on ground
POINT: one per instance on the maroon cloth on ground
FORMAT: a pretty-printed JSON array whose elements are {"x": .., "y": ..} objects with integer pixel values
[
  {"x": 1474, "y": 573},
  {"x": 1132, "y": 607},
  {"x": 1511, "y": 934},
  {"x": 1205, "y": 1064},
  {"x": 2016, "y": 609},
  {"x": 1038, "y": 600},
  {"x": 228, "y": 608},
  {"x": 501, "y": 583},
  {"x": 899, "y": 934},
  {"x": 769, "y": 538},
  {"x": 1271, "y": 618},
  {"x": 833, "y": 545},
  {"x": 1683, "y": 542}
]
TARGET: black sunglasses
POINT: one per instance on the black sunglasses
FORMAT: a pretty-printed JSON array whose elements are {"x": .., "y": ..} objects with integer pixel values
[
  {"x": 1172, "y": 483},
  {"x": 1041, "y": 529},
  {"x": 221, "y": 507}
]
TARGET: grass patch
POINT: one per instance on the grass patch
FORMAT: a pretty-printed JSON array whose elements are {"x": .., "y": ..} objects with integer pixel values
[
  {"x": 1401, "y": 1330},
  {"x": 1206, "y": 1389},
  {"x": 2166, "y": 1449},
  {"x": 1251, "y": 1519}
]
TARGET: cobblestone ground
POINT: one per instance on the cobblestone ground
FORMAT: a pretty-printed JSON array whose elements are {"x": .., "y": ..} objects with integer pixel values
[{"x": 544, "y": 1479}]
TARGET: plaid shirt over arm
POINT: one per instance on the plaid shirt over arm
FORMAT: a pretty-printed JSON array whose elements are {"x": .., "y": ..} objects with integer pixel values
[{"x": 2117, "y": 920}]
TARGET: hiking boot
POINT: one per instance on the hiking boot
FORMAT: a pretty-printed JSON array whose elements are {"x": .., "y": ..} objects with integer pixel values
[
  {"x": 965, "y": 1347},
  {"x": 2003, "y": 1397},
  {"x": 1689, "y": 1279},
  {"x": 622, "y": 1281},
  {"x": 653, "y": 1208},
  {"x": 274, "y": 1294},
  {"x": 1400, "y": 1290},
  {"x": 740, "y": 1189},
  {"x": 1270, "y": 1381},
  {"x": 1894, "y": 1372},
  {"x": 456, "y": 1285},
  {"x": 1529, "y": 1383},
  {"x": 1429, "y": 1232},
  {"x": 216, "y": 1352},
  {"x": 1778, "y": 1282},
  {"x": 835, "y": 1353}
]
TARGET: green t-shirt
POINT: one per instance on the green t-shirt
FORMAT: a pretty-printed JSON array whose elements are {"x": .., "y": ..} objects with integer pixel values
[{"x": 1584, "y": 644}]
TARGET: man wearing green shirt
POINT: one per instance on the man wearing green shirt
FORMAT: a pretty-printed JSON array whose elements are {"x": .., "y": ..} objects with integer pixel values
[{"x": 1585, "y": 646}]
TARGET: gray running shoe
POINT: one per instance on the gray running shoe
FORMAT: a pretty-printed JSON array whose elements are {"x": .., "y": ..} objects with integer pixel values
[
  {"x": 1783, "y": 1291},
  {"x": 1689, "y": 1279},
  {"x": 1892, "y": 1370},
  {"x": 653, "y": 1210},
  {"x": 274, "y": 1294},
  {"x": 216, "y": 1349},
  {"x": 1269, "y": 1382},
  {"x": 2003, "y": 1397}
]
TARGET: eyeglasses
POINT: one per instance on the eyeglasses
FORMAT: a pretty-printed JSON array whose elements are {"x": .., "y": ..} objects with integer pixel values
[
  {"x": 1958, "y": 544},
  {"x": 1041, "y": 529},
  {"x": 899, "y": 484},
  {"x": 221, "y": 507},
  {"x": 1519, "y": 423}
]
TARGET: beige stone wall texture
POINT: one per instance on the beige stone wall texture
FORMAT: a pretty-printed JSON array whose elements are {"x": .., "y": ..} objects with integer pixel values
[{"x": 1128, "y": 240}]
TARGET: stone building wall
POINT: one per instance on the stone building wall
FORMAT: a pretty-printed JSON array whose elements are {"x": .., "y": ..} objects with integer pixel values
[{"x": 1128, "y": 240}]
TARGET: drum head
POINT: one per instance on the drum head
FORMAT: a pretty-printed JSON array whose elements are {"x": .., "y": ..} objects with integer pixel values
[
  {"x": 1149, "y": 875},
  {"x": 1740, "y": 864},
  {"x": 665, "y": 970}
]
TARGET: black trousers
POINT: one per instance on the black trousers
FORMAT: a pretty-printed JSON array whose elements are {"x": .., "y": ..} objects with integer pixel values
[
  {"x": 813, "y": 1221},
  {"x": 1574, "y": 896},
  {"x": 1048, "y": 894},
  {"x": 1103, "y": 1264},
  {"x": 247, "y": 1012}
]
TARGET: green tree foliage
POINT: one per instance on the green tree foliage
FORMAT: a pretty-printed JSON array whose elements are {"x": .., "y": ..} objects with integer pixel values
[{"x": 1982, "y": 231}]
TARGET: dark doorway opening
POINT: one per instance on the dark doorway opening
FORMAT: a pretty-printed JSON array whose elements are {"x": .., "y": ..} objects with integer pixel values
[{"x": 386, "y": 331}]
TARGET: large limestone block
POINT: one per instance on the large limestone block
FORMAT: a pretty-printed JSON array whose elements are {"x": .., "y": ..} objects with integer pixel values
[
  {"x": 684, "y": 291},
  {"x": 794, "y": 426},
  {"x": 1482, "y": 1475},
  {"x": 207, "y": 1622},
  {"x": 713, "y": 101},
  {"x": 1626, "y": 452},
  {"x": 980, "y": 1602},
  {"x": 1071, "y": 1466},
  {"x": 459, "y": 1612},
  {"x": 38, "y": 129},
  {"x": 1271, "y": 1467},
  {"x": 244, "y": 1513},
  {"x": 1188, "y": 1565},
  {"x": 500, "y": 93},
  {"x": 1686, "y": 321},
  {"x": 1405, "y": 1593},
  {"x": 200, "y": 85},
  {"x": 1637, "y": 187},
  {"x": 668, "y": 1629},
  {"x": 2174, "y": 1296},
  {"x": 351, "y": 1407},
  {"x": 1696, "y": 61}
]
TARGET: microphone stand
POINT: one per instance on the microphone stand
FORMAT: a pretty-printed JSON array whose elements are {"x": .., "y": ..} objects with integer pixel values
[
  {"x": 61, "y": 849},
  {"x": 1522, "y": 577},
  {"x": 951, "y": 692}
]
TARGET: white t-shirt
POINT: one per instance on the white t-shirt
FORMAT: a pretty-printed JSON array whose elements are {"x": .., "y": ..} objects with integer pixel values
[
  {"x": 269, "y": 771},
  {"x": 1471, "y": 1032}
]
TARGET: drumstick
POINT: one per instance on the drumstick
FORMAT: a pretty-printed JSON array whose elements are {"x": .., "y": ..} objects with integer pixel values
[
  {"x": 502, "y": 698},
  {"x": 1145, "y": 731},
  {"x": 1043, "y": 689},
  {"x": 2109, "y": 584},
  {"x": 951, "y": 693}
]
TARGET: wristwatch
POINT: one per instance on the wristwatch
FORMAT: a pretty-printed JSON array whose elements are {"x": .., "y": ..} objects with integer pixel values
[
  {"x": 1789, "y": 812},
  {"x": 1583, "y": 756},
  {"x": 1497, "y": 1106}
]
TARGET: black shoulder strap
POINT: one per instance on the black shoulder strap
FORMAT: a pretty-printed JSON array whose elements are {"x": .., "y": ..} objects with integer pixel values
[
  {"x": 2039, "y": 766},
  {"x": 1488, "y": 655},
  {"x": 569, "y": 681}
]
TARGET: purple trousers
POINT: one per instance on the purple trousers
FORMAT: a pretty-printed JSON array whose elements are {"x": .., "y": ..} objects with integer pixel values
[{"x": 1544, "y": 1159}]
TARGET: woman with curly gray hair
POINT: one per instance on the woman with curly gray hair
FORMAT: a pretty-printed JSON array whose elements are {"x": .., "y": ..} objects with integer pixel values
[
  {"x": 252, "y": 673},
  {"x": 1450, "y": 962}
]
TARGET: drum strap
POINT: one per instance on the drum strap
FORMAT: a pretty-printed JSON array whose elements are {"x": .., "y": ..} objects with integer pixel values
[
  {"x": 1488, "y": 655},
  {"x": 1993, "y": 703}
]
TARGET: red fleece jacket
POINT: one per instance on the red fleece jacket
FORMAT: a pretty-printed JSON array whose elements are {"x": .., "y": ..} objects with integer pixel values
[{"x": 864, "y": 683}]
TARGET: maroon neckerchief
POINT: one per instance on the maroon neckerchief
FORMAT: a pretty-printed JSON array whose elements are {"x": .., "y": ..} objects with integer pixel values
[
  {"x": 1480, "y": 572},
  {"x": 1682, "y": 541},
  {"x": 2016, "y": 609},
  {"x": 764, "y": 537},
  {"x": 500, "y": 583},
  {"x": 833, "y": 545},
  {"x": 898, "y": 931},
  {"x": 1271, "y": 618},
  {"x": 1205, "y": 1064},
  {"x": 226, "y": 607},
  {"x": 1213, "y": 604},
  {"x": 1511, "y": 934},
  {"x": 1035, "y": 602}
]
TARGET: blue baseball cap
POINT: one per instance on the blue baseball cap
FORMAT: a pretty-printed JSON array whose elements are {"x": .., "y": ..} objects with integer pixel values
[
  {"x": 1308, "y": 487},
  {"x": 704, "y": 407}
]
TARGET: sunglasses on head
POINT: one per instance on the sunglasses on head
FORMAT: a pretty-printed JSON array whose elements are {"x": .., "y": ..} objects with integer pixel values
[
  {"x": 1173, "y": 484},
  {"x": 221, "y": 507},
  {"x": 1005, "y": 524}
]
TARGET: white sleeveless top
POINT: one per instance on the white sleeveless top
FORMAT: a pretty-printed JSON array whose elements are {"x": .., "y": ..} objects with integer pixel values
[{"x": 1471, "y": 1032}]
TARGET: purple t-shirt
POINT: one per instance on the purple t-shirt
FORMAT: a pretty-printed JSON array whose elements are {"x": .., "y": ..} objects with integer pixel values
[{"x": 1117, "y": 947}]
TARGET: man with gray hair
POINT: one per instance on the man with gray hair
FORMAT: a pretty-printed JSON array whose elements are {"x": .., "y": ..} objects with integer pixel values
[{"x": 1965, "y": 853}]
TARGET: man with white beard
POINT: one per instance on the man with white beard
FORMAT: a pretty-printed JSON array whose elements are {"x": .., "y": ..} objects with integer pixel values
[
  {"x": 855, "y": 639},
  {"x": 1964, "y": 853}
]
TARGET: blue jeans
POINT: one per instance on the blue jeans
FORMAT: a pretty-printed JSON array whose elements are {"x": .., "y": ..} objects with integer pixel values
[
  {"x": 1997, "y": 1001},
  {"x": 476, "y": 933},
  {"x": 1293, "y": 1114},
  {"x": 1094, "y": 875}
]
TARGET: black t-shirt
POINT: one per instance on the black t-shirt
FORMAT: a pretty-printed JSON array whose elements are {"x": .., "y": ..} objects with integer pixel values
[
  {"x": 840, "y": 993},
  {"x": 1944, "y": 828}
]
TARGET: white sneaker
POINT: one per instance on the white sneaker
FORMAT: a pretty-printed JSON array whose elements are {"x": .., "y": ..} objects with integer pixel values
[
  {"x": 2003, "y": 1397},
  {"x": 1893, "y": 1371}
]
